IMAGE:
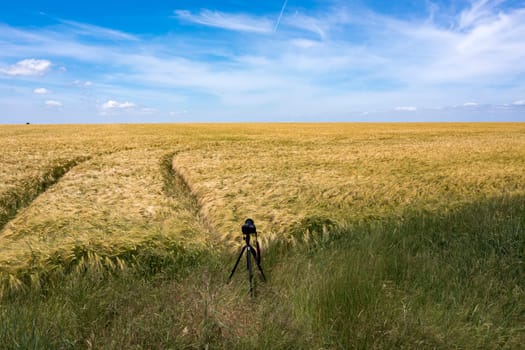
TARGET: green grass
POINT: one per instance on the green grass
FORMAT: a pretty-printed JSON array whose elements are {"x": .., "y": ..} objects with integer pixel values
[
  {"x": 448, "y": 281},
  {"x": 454, "y": 280}
]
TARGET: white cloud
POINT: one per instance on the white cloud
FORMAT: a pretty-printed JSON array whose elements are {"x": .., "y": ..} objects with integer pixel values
[
  {"x": 236, "y": 22},
  {"x": 53, "y": 103},
  {"x": 315, "y": 25},
  {"x": 147, "y": 110},
  {"x": 115, "y": 105},
  {"x": 304, "y": 43},
  {"x": 253, "y": 60},
  {"x": 130, "y": 109},
  {"x": 96, "y": 31},
  {"x": 406, "y": 108},
  {"x": 470, "y": 104},
  {"x": 433, "y": 52},
  {"x": 519, "y": 103},
  {"x": 479, "y": 12},
  {"x": 318, "y": 25},
  {"x": 178, "y": 113},
  {"x": 40, "y": 91},
  {"x": 80, "y": 83},
  {"x": 28, "y": 67}
]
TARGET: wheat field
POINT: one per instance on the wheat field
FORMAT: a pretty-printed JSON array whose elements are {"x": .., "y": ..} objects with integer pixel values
[
  {"x": 284, "y": 175},
  {"x": 403, "y": 235},
  {"x": 110, "y": 196}
]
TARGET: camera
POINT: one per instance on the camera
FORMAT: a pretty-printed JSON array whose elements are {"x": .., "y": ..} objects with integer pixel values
[{"x": 248, "y": 227}]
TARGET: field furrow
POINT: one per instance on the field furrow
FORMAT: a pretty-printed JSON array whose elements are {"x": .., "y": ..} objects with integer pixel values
[
  {"x": 112, "y": 207},
  {"x": 176, "y": 186},
  {"x": 18, "y": 196}
]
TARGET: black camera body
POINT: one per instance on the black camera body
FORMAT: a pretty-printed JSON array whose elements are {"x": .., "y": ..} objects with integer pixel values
[{"x": 248, "y": 227}]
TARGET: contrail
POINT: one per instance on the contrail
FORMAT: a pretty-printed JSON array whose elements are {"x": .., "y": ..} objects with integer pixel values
[{"x": 280, "y": 16}]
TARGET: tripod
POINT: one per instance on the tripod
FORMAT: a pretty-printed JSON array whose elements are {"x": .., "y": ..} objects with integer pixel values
[{"x": 247, "y": 229}]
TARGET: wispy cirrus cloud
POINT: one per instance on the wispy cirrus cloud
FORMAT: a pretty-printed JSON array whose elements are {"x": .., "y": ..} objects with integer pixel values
[
  {"x": 229, "y": 21},
  {"x": 310, "y": 24},
  {"x": 481, "y": 11},
  {"x": 243, "y": 22},
  {"x": 90, "y": 30}
]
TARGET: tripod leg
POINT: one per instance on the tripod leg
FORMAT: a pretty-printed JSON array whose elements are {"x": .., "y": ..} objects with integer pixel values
[
  {"x": 260, "y": 268},
  {"x": 249, "y": 265},
  {"x": 237, "y": 263},
  {"x": 258, "y": 250}
]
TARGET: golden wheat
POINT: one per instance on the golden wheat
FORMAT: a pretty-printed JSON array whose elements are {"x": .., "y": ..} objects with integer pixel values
[{"x": 286, "y": 176}]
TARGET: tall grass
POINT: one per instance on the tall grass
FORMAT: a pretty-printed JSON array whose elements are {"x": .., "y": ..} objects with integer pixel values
[{"x": 453, "y": 280}]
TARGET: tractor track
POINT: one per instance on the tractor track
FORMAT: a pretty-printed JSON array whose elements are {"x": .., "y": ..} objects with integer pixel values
[
  {"x": 176, "y": 186},
  {"x": 21, "y": 196}
]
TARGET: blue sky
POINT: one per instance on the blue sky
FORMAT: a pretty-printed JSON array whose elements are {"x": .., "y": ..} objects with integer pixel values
[{"x": 214, "y": 61}]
